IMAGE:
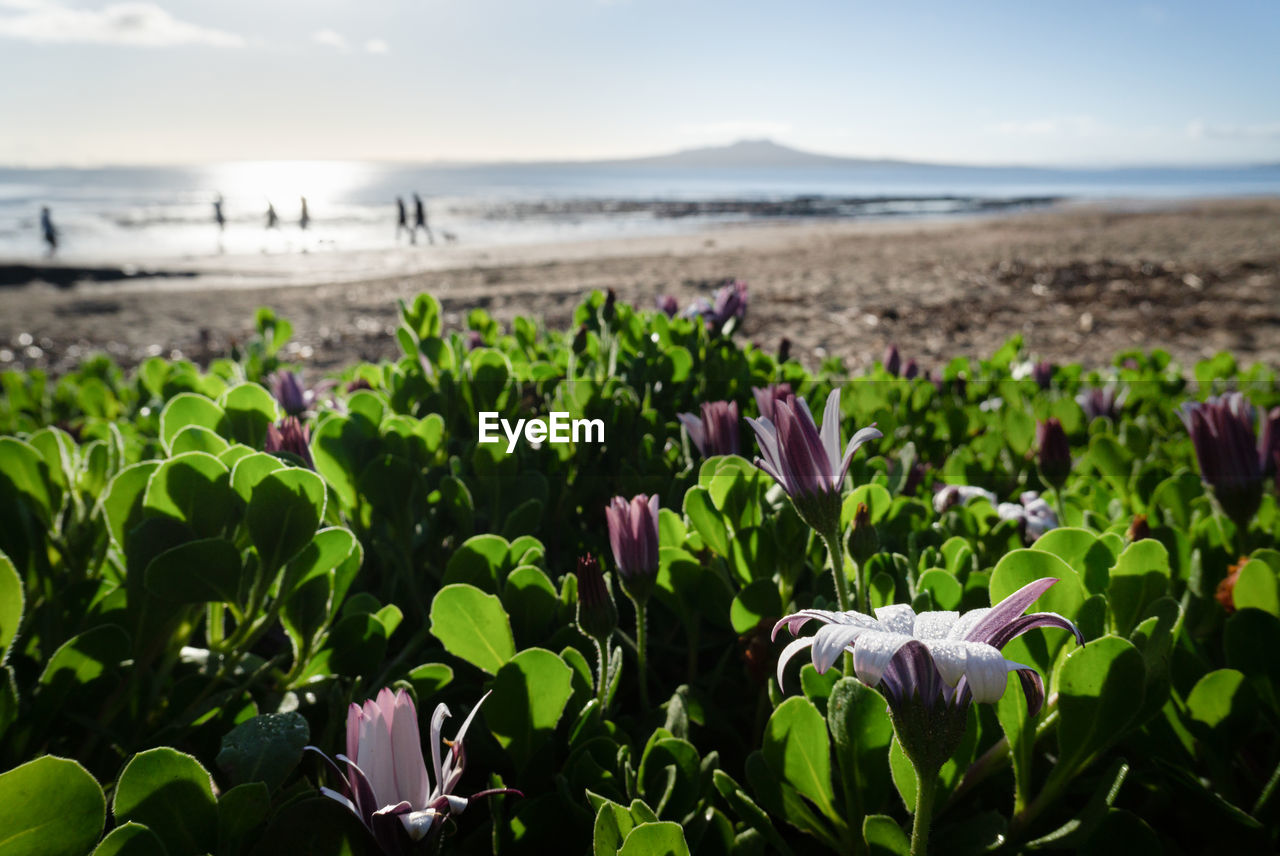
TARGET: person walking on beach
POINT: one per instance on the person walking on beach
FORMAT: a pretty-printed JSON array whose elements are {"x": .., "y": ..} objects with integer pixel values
[
  {"x": 305, "y": 220},
  {"x": 273, "y": 220},
  {"x": 402, "y": 221},
  {"x": 218, "y": 216},
  {"x": 420, "y": 220},
  {"x": 50, "y": 232}
]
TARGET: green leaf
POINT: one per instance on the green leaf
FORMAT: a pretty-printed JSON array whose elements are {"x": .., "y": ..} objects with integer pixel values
[
  {"x": 240, "y": 810},
  {"x": 706, "y": 520},
  {"x": 82, "y": 659},
  {"x": 429, "y": 678},
  {"x": 12, "y": 602},
  {"x": 1083, "y": 551},
  {"x": 1140, "y": 575},
  {"x": 472, "y": 626},
  {"x": 797, "y": 749},
  {"x": 122, "y": 502},
  {"x": 1220, "y": 700},
  {"x": 251, "y": 469},
  {"x": 529, "y": 695},
  {"x": 193, "y": 488},
  {"x": 884, "y": 837},
  {"x": 945, "y": 589},
  {"x": 531, "y": 603},
  {"x": 197, "y": 438},
  {"x": 207, "y": 570},
  {"x": 189, "y": 408},
  {"x": 170, "y": 793},
  {"x": 1257, "y": 588},
  {"x": 250, "y": 408},
  {"x": 50, "y": 807},
  {"x": 283, "y": 513},
  {"x": 655, "y": 839},
  {"x": 318, "y": 827},
  {"x": 24, "y": 470},
  {"x": 264, "y": 749},
  {"x": 1099, "y": 693},
  {"x": 130, "y": 839},
  {"x": 755, "y": 603}
]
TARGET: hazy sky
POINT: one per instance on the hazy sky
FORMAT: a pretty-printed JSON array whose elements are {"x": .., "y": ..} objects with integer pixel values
[{"x": 92, "y": 82}]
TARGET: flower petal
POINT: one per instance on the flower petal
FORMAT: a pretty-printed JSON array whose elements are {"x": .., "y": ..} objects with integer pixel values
[
  {"x": 864, "y": 435},
  {"x": 831, "y": 429},
  {"x": 896, "y": 618},
  {"x": 1023, "y": 623},
  {"x": 1033, "y": 689},
  {"x": 987, "y": 671},
  {"x": 830, "y": 641},
  {"x": 793, "y": 648},
  {"x": 410, "y": 769},
  {"x": 934, "y": 625},
  {"x": 966, "y": 622},
  {"x": 873, "y": 653},
  {"x": 1007, "y": 610}
]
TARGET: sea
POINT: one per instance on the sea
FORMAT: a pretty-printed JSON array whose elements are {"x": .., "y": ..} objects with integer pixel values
[{"x": 133, "y": 215}]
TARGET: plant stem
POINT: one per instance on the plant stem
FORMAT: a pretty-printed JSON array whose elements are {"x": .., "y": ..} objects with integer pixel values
[
  {"x": 1062, "y": 506},
  {"x": 602, "y": 680},
  {"x": 642, "y": 633},
  {"x": 836, "y": 552},
  {"x": 926, "y": 786}
]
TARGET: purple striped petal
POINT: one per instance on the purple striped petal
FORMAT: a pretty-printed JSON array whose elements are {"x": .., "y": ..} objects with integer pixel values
[
  {"x": 1008, "y": 609},
  {"x": 1033, "y": 689},
  {"x": 1023, "y": 623}
]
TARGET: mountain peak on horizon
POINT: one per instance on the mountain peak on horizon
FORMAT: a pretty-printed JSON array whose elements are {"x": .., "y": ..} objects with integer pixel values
[{"x": 746, "y": 152}]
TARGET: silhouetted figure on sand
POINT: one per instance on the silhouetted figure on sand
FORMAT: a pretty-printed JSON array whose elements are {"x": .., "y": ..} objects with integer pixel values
[
  {"x": 402, "y": 218},
  {"x": 50, "y": 232},
  {"x": 305, "y": 220},
  {"x": 273, "y": 219},
  {"x": 420, "y": 219},
  {"x": 218, "y": 216}
]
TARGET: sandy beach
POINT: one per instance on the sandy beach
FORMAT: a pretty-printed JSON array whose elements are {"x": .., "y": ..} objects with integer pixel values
[{"x": 1080, "y": 282}]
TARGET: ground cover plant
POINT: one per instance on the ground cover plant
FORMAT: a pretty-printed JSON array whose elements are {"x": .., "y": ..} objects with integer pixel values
[{"x": 999, "y": 606}]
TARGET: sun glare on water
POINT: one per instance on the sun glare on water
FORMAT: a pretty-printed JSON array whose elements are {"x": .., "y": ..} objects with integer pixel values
[{"x": 279, "y": 181}]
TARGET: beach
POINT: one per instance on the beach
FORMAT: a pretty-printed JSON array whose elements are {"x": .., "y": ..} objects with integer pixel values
[{"x": 1078, "y": 281}]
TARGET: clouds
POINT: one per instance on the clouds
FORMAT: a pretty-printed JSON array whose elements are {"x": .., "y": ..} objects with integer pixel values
[
  {"x": 1052, "y": 126},
  {"x": 336, "y": 41},
  {"x": 1199, "y": 130},
  {"x": 132, "y": 24}
]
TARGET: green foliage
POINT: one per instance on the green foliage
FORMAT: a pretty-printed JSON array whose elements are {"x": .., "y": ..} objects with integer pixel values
[{"x": 182, "y": 611}]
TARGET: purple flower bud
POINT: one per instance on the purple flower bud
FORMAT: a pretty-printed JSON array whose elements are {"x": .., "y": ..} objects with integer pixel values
[
  {"x": 294, "y": 398},
  {"x": 1054, "y": 452},
  {"x": 290, "y": 436},
  {"x": 633, "y": 535},
  {"x": 610, "y": 302},
  {"x": 911, "y": 369},
  {"x": 597, "y": 613},
  {"x": 892, "y": 360},
  {"x": 728, "y": 309},
  {"x": 716, "y": 432},
  {"x": 784, "y": 350},
  {"x": 768, "y": 397},
  {"x": 1042, "y": 373},
  {"x": 358, "y": 384},
  {"x": 667, "y": 305},
  {"x": 1104, "y": 402},
  {"x": 1231, "y": 463},
  {"x": 474, "y": 340},
  {"x": 863, "y": 541}
]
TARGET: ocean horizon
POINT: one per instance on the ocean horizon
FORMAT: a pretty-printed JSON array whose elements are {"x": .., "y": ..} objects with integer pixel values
[{"x": 134, "y": 215}]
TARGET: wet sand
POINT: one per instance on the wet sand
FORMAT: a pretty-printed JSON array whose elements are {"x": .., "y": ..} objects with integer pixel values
[{"x": 1080, "y": 282}]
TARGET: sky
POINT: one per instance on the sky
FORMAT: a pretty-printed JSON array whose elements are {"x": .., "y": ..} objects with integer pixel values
[{"x": 1083, "y": 83}]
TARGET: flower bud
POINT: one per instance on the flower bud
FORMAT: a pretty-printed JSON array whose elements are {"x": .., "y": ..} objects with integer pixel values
[
  {"x": 1042, "y": 373},
  {"x": 1139, "y": 529},
  {"x": 597, "y": 613},
  {"x": 863, "y": 542},
  {"x": 784, "y": 350},
  {"x": 580, "y": 339},
  {"x": 1054, "y": 452},
  {"x": 892, "y": 360}
]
